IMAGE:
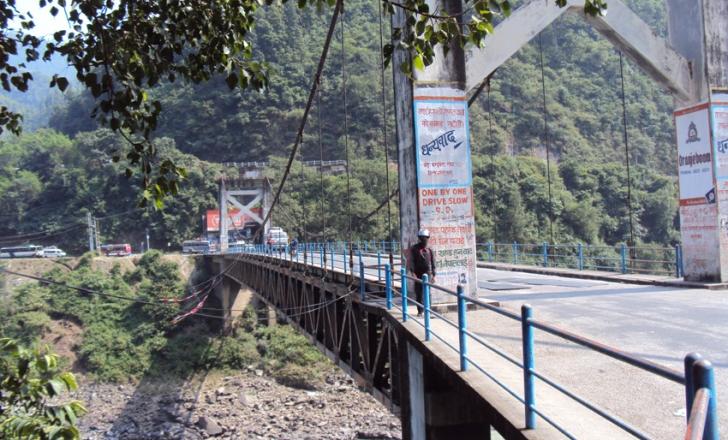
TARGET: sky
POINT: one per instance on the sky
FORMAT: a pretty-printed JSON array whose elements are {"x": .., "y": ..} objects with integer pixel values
[{"x": 45, "y": 23}]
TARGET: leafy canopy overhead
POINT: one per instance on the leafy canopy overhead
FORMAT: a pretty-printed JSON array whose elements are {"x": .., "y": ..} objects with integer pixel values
[{"x": 120, "y": 49}]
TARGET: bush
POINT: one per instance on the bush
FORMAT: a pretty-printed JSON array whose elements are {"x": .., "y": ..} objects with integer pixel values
[
  {"x": 290, "y": 357},
  {"x": 296, "y": 376},
  {"x": 28, "y": 379}
]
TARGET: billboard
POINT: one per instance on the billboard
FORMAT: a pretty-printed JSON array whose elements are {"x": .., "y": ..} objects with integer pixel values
[
  {"x": 235, "y": 218},
  {"x": 698, "y": 208},
  {"x": 695, "y": 170},
  {"x": 444, "y": 182}
]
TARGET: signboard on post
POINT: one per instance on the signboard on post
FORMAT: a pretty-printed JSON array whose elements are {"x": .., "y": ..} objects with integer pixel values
[
  {"x": 698, "y": 208},
  {"x": 444, "y": 181}
]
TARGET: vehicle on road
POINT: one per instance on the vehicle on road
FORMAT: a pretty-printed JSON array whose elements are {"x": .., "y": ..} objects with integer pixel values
[
  {"x": 276, "y": 237},
  {"x": 24, "y": 251},
  {"x": 196, "y": 247},
  {"x": 116, "y": 250},
  {"x": 52, "y": 252}
]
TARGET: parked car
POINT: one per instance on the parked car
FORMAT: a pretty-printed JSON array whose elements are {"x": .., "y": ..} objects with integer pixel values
[{"x": 52, "y": 252}]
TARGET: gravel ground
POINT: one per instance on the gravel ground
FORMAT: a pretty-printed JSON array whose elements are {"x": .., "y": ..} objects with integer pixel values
[{"x": 245, "y": 405}]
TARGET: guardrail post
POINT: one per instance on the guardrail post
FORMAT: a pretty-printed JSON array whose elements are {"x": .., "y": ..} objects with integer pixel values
[
  {"x": 515, "y": 253},
  {"x": 678, "y": 261},
  {"x": 461, "y": 328},
  {"x": 388, "y": 285},
  {"x": 703, "y": 378},
  {"x": 545, "y": 252},
  {"x": 490, "y": 251},
  {"x": 426, "y": 304},
  {"x": 580, "y": 250},
  {"x": 689, "y": 362},
  {"x": 623, "y": 253},
  {"x": 379, "y": 265},
  {"x": 528, "y": 365},
  {"x": 362, "y": 284},
  {"x": 403, "y": 273}
]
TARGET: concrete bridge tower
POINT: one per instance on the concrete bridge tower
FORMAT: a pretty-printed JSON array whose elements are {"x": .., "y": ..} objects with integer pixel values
[{"x": 434, "y": 155}]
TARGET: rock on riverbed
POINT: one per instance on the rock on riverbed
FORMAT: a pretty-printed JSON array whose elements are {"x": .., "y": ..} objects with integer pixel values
[{"x": 240, "y": 406}]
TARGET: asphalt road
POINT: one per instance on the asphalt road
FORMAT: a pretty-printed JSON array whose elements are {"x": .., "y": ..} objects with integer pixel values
[{"x": 657, "y": 323}]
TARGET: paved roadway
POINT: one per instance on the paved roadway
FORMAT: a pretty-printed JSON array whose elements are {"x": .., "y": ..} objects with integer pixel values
[{"x": 661, "y": 324}]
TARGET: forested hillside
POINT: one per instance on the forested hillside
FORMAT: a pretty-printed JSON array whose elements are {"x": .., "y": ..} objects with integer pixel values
[{"x": 50, "y": 178}]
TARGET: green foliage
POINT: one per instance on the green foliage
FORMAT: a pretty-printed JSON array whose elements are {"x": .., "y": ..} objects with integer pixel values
[
  {"x": 50, "y": 182},
  {"x": 58, "y": 180},
  {"x": 28, "y": 379},
  {"x": 130, "y": 335},
  {"x": 290, "y": 357}
]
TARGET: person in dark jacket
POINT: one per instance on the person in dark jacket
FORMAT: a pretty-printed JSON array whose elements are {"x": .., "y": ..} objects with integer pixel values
[{"x": 422, "y": 259}]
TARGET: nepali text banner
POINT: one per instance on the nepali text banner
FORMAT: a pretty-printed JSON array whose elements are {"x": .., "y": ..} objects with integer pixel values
[{"x": 444, "y": 181}]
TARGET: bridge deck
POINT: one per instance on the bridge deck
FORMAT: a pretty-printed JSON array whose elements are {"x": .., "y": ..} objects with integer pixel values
[{"x": 581, "y": 422}]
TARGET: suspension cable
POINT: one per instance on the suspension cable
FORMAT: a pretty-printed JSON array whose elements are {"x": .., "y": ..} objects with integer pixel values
[
  {"x": 626, "y": 152},
  {"x": 492, "y": 162},
  {"x": 321, "y": 162},
  {"x": 302, "y": 192},
  {"x": 546, "y": 138},
  {"x": 304, "y": 118},
  {"x": 384, "y": 126},
  {"x": 346, "y": 118},
  {"x": 346, "y": 137}
]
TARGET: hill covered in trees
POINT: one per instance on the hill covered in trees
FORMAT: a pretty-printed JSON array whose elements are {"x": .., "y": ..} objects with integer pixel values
[{"x": 52, "y": 177}]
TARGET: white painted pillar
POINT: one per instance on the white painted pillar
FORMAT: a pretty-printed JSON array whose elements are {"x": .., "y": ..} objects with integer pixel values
[
  {"x": 699, "y": 31},
  {"x": 435, "y": 177}
]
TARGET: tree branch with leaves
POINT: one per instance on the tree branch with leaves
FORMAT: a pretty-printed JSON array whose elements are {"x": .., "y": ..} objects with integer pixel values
[{"x": 120, "y": 49}]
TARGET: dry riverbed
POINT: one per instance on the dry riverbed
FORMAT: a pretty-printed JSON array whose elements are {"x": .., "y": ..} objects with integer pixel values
[{"x": 243, "y": 405}]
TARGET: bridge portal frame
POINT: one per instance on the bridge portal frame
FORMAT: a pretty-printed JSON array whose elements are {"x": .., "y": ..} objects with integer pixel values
[{"x": 692, "y": 65}]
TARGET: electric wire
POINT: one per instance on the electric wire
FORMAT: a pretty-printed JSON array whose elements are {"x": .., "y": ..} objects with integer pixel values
[{"x": 82, "y": 289}]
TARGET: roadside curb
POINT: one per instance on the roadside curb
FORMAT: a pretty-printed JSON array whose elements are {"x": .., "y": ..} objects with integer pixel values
[{"x": 590, "y": 275}]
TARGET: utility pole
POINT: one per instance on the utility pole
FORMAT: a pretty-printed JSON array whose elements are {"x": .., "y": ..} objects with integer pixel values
[
  {"x": 89, "y": 222},
  {"x": 147, "y": 233}
]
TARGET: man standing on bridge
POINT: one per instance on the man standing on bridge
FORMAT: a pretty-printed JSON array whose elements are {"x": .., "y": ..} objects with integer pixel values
[{"x": 422, "y": 262}]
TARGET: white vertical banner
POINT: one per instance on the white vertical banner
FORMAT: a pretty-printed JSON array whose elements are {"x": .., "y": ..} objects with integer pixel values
[
  {"x": 719, "y": 123},
  {"x": 698, "y": 208},
  {"x": 444, "y": 182}
]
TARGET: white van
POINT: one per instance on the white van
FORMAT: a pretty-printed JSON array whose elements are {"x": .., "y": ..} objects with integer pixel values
[
  {"x": 52, "y": 252},
  {"x": 276, "y": 237}
]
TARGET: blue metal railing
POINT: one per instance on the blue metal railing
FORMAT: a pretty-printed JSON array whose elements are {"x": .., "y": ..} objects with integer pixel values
[
  {"x": 620, "y": 258},
  {"x": 697, "y": 378}
]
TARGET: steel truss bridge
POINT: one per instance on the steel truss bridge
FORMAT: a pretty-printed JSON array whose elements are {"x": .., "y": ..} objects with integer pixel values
[{"x": 443, "y": 381}]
